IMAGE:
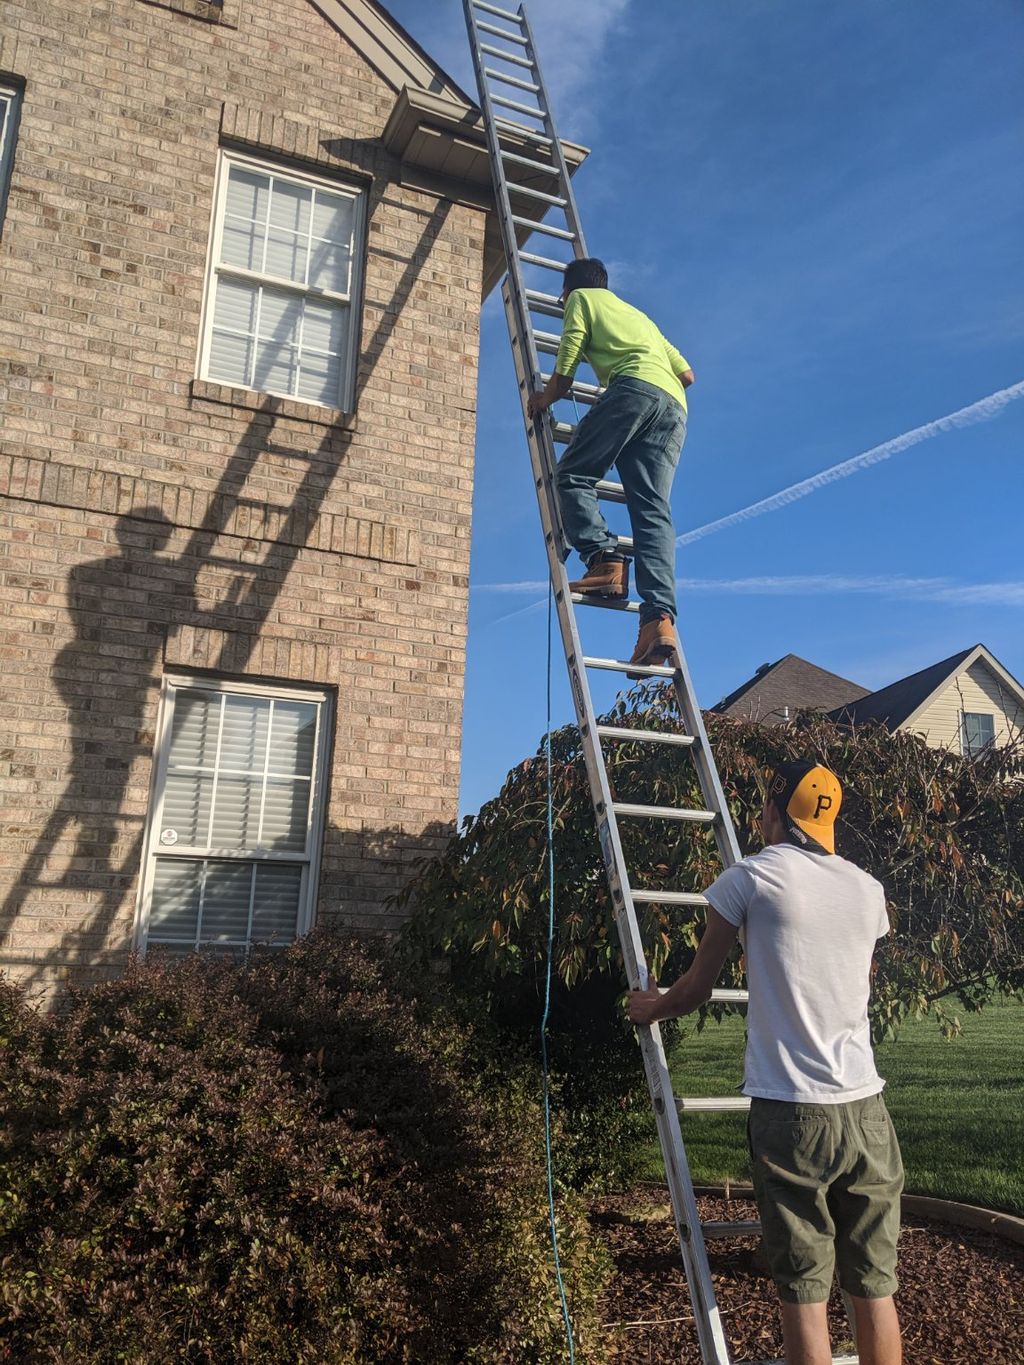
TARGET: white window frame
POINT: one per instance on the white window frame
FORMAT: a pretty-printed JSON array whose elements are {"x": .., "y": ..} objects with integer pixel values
[
  {"x": 227, "y": 159},
  {"x": 11, "y": 96},
  {"x": 965, "y": 746},
  {"x": 309, "y": 858}
]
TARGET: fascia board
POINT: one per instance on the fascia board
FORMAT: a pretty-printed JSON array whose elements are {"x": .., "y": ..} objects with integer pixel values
[{"x": 1006, "y": 678}]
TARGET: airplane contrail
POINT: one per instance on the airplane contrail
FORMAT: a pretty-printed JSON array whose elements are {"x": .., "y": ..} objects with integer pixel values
[{"x": 981, "y": 411}]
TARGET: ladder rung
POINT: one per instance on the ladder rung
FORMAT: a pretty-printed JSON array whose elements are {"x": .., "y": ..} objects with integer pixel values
[
  {"x": 501, "y": 13},
  {"x": 621, "y": 666},
  {"x": 610, "y": 492},
  {"x": 582, "y": 390},
  {"x": 546, "y": 339},
  {"x": 519, "y": 107},
  {"x": 586, "y": 599},
  {"x": 740, "y": 1227},
  {"x": 555, "y": 199},
  {"x": 511, "y": 80},
  {"x": 534, "y": 165},
  {"x": 520, "y": 130},
  {"x": 668, "y": 897},
  {"x": 728, "y": 997},
  {"x": 493, "y": 8},
  {"x": 545, "y": 261},
  {"x": 721, "y": 1104},
  {"x": 694, "y": 817},
  {"x": 562, "y": 432},
  {"x": 564, "y": 233},
  {"x": 501, "y": 33},
  {"x": 643, "y": 736},
  {"x": 548, "y": 304},
  {"x": 624, "y": 542},
  {"x": 506, "y": 56}
]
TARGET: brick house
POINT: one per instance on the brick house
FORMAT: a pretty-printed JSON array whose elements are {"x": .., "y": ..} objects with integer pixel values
[{"x": 242, "y": 255}]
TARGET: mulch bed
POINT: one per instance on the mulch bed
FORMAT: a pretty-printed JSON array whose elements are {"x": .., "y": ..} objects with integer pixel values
[{"x": 961, "y": 1297}]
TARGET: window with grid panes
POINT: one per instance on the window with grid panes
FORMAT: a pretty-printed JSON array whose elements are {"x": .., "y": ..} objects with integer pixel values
[
  {"x": 9, "y": 103},
  {"x": 235, "y": 827},
  {"x": 977, "y": 731},
  {"x": 283, "y": 278}
]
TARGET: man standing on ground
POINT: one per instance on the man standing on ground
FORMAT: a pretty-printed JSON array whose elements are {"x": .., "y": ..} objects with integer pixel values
[
  {"x": 827, "y": 1167},
  {"x": 638, "y": 425}
]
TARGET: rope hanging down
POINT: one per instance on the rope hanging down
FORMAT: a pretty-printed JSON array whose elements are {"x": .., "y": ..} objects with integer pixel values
[{"x": 547, "y": 1002}]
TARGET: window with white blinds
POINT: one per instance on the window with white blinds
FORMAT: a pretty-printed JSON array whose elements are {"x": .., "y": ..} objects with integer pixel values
[
  {"x": 284, "y": 272},
  {"x": 977, "y": 732},
  {"x": 235, "y": 826},
  {"x": 9, "y": 101}
]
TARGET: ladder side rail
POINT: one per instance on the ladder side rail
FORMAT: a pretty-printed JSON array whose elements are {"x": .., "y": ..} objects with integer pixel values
[
  {"x": 522, "y": 328},
  {"x": 558, "y": 155},
  {"x": 659, "y": 1081},
  {"x": 707, "y": 769}
]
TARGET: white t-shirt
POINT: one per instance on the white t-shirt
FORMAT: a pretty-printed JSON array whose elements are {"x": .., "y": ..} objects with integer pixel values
[{"x": 808, "y": 924}]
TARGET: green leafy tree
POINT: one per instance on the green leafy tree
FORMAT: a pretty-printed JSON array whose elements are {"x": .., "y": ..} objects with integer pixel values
[{"x": 943, "y": 833}]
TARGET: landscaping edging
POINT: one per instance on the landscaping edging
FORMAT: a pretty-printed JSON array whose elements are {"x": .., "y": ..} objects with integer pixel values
[{"x": 1004, "y": 1225}]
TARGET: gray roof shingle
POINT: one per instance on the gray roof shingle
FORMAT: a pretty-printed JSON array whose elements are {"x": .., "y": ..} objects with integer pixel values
[
  {"x": 893, "y": 704},
  {"x": 777, "y": 691}
]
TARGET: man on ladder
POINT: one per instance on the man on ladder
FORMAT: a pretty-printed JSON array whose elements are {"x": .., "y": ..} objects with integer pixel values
[
  {"x": 639, "y": 426},
  {"x": 827, "y": 1167}
]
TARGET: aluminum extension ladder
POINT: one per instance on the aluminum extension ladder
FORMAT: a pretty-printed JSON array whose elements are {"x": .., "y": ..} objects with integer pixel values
[{"x": 524, "y": 156}]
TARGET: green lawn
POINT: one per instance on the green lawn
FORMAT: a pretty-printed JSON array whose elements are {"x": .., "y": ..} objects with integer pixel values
[{"x": 956, "y": 1106}]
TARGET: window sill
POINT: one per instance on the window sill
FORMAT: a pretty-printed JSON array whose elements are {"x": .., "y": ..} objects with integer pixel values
[
  {"x": 210, "y": 11},
  {"x": 205, "y": 391}
]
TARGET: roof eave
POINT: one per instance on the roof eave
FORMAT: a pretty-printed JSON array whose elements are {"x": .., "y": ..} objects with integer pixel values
[{"x": 444, "y": 139}]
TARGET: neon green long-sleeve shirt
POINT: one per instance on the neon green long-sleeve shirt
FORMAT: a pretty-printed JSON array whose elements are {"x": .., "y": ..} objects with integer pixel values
[{"x": 617, "y": 339}]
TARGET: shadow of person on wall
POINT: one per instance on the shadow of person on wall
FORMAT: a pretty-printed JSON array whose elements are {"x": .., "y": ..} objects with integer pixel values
[{"x": 120, "y": 607}]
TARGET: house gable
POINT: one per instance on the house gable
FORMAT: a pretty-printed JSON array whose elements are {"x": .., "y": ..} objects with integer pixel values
[
  {"x": 389, "y": 49},
  {"x": 777, "y": 691},
  {"x": 980, "y": 686},
  {"x": 895, "y": 705}
]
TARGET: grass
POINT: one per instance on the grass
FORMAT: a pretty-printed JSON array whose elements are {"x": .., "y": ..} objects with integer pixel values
[{"x": 956, "y": 1105}]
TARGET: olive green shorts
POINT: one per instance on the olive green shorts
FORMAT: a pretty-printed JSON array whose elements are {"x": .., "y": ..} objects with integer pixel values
[{"x": 827, "y": 1178}]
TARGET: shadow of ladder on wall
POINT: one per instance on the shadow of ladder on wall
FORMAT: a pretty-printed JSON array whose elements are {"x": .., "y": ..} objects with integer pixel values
[{"x": 524, "y": 155}]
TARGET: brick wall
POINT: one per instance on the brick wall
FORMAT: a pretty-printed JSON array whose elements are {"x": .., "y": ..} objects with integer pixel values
[{"x": 349, "y": 536}]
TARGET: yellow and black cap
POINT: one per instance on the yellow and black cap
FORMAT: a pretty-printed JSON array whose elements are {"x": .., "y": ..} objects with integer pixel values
[{"x": 807, "y": 796}]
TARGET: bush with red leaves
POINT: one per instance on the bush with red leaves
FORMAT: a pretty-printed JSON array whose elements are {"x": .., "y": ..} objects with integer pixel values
[{"x": 290, "y": 1160}]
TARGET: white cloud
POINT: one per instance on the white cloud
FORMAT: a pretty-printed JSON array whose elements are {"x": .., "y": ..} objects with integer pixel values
[
  {"x": 981, "y": 411},
  {"x": 571, "y": 37},
  {"x": 945, "y": 591}
]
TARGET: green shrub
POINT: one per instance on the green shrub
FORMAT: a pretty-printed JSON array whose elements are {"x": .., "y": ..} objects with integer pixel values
[
  {"x": 944, "y": 834},
  {"x": 291, "y": 1160}
]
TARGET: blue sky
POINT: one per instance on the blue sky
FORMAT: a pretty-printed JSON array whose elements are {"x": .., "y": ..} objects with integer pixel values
[{"x": 822, "y": 205}]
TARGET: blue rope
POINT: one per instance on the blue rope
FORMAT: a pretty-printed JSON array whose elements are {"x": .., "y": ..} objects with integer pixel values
[{"x": 547, "y": 1003}]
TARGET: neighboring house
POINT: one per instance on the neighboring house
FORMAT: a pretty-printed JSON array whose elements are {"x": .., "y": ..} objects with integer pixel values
[
  {"x": 966, "y": 702},
  {"x": 243, "y": 245},
  {"x": 778, "y": 691}
]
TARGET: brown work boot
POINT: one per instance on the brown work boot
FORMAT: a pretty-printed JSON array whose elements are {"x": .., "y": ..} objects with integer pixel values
[
  {"x": 604, "y": 578},
  {"x": 655, "y": 643}
]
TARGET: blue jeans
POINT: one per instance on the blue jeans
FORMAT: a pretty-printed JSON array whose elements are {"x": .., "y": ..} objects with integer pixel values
[{"x": 640, "y": 429}]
